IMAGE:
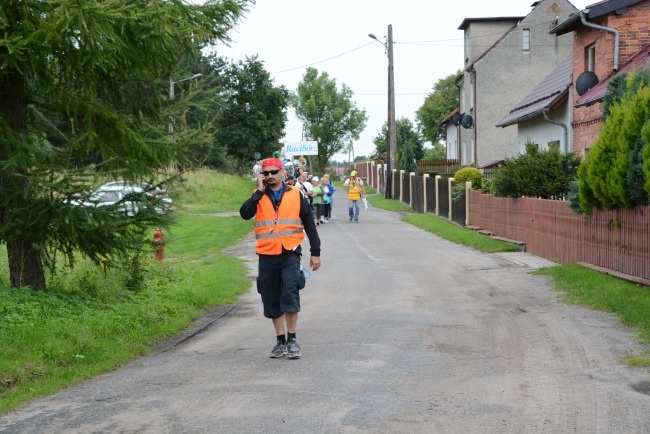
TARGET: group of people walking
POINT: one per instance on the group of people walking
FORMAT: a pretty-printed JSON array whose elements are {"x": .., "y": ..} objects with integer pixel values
[
  {"x": 286, "y": 210},
  {"x": 320, "y": 192}
]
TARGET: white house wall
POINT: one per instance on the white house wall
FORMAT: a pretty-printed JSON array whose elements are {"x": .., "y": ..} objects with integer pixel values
[
  {"x": 541, "y": 132},
  {"x": 451, "y": 142}
]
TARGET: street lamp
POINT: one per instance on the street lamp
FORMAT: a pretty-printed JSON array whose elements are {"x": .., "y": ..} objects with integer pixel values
[
  {"x": 171, "y": 92},
  {"x": 392, "y": 137}
]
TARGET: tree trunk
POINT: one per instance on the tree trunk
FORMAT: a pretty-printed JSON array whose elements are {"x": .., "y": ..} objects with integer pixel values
[{"x": 25, "y": 265}]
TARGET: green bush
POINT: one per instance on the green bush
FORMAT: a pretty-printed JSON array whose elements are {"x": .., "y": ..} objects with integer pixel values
[
  {"x": 635, "y": 176},
  {"x": 545, "y": 174},
  {"x": 469, "y": 174},
  {"x": 645, "y": 134},
  {"x": 610, "y": 175}
]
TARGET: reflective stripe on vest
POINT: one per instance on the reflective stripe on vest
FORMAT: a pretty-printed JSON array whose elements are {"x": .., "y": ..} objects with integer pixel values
[{"x": 284, "y": 229}]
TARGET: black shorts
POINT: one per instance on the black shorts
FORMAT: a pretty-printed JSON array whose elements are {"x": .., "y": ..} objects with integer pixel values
[{"x": 278, "y": 282}]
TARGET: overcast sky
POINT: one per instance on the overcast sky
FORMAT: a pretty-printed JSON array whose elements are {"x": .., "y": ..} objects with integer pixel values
[{"x": 332, "y": 36}]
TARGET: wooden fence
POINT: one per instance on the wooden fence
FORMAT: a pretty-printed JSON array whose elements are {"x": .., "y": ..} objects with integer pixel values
[
  {"x": 438, "y": 166},
  {"x": 616, "y": 240}
]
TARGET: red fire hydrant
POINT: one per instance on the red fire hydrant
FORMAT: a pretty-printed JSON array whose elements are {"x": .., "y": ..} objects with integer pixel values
[{"x": 159, "y": 241}]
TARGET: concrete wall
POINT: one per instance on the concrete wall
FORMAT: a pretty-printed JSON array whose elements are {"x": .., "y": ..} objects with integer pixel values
[
  {"x": 507, "y": 73},
  {"x": 488, "y": 32}
]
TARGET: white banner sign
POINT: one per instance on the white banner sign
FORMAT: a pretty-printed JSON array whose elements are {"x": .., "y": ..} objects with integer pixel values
[{"x": 296, "y": 149}]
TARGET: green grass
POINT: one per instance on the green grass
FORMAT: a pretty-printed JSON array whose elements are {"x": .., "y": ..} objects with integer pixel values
[
  {"x": 380, "y": 201},
  {"x": 631, "y": 302},
  {"x": 458, "y": 234},
  {"x": 206, "y": 191}
]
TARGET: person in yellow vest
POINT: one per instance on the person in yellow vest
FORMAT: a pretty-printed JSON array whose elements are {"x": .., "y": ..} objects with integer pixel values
[
  {"x": 354, "y": 184},
  {"x": 282, "y": 218}
]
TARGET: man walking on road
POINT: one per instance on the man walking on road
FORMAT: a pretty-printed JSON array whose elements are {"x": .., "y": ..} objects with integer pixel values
[{"x": 282, "y": 217}]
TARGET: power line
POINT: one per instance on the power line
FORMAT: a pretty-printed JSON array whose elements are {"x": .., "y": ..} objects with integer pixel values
[{"x": 324, "y": 60}]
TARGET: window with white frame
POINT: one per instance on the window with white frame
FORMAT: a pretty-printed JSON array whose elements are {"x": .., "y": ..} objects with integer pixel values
[{"x": 525, "y": 41}]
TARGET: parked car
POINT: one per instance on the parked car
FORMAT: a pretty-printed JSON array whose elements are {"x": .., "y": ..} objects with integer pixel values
[{"x": 128, "y": 197}]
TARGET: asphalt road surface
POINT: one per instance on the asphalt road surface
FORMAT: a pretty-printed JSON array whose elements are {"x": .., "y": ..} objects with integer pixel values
[{"x": 401, "y": 331}]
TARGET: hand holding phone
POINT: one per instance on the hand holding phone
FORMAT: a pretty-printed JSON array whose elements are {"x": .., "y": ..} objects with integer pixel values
[{"x": 261, "y": 183}]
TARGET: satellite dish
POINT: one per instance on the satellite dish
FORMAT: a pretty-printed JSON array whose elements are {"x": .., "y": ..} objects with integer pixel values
[
  {"x": 586, "y": 81},
  {"x": 467, "y": 121},
  {"x": 257, "y": 155},
  {"x": 455, "y": 119}
]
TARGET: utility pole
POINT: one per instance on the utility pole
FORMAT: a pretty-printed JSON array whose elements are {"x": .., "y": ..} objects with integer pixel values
[
  {"x": 392, "y": 136},
  {"x": 391, "y": 146}
]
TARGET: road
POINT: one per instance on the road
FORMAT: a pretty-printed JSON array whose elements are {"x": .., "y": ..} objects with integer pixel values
[{"x": 401, "y": 331}]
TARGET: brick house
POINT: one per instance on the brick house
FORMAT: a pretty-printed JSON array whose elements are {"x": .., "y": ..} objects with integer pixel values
[{"x": 609, "y": 38}]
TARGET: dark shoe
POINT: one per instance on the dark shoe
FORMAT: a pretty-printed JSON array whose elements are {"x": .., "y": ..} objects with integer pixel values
[
  {"x": 279, "y": 350},
  {"x": 356, "y": 221},
  {"x": 293, "y": 349}
]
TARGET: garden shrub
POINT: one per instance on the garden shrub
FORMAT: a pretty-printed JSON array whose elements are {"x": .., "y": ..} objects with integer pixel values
[
  {"x": 645, "y": 135},
  {"x": 635, "y": 176},
  {"x": 538, "y": 173},
  {"x": 611, "y": 169},
  {"x": 463, "y": 175},
  {"x": 469, "y": 174}
]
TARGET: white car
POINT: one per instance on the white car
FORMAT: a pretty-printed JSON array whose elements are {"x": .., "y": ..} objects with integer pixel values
[{"x": 127, "y": 197}]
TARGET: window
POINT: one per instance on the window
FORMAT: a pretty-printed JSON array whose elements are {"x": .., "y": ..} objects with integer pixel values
[
  {"x": 591, "y": 57},
  {"x": 525, "y": 42}
]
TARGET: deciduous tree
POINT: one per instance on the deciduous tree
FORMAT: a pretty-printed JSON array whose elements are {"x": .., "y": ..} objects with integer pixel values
[
  {"x": 405, "y": 132},
  {"x": 437, "y": 106},
  {"x": 254, "y": 115},
  {"x": 330, "y": 115}
]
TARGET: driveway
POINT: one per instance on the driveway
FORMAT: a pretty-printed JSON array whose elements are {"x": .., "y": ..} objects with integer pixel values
[{"x": 401, "y": 331}]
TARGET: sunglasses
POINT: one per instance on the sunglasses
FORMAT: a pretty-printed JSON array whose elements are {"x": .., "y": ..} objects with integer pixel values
[{"x": 270, "y": 172}]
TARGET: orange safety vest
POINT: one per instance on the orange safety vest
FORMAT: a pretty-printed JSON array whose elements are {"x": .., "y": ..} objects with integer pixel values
[
  {"x": 282, "y": 228},
  {"x": 355, "y": 190}
]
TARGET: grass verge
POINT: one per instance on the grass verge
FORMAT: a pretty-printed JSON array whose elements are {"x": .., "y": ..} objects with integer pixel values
[
  {"x": 629, "y": 301},
  {"x": 88, "y": 322}
]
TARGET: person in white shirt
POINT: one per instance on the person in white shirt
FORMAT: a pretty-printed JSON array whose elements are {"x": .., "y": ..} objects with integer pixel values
[
  {"x": 305, "y": 186},
  {"x": 257, "y": 170}
]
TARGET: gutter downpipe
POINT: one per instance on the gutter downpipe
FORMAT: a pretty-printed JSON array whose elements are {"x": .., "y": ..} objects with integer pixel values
[
  {"x": 566, "y": 130},
  {"x": 475, "y": 99},
  {"x": 606, "y": 29}
]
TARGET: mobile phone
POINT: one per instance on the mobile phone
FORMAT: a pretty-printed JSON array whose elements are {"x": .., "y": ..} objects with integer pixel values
[{"x": 264, "y": 181}]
